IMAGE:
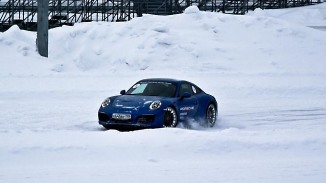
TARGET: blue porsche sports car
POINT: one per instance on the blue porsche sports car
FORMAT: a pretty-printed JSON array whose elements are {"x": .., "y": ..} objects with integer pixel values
[{"x": 156, "y": 103}]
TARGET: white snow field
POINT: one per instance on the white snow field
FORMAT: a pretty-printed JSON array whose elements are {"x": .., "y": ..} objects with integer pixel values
[{"x": 266, "y": 69}]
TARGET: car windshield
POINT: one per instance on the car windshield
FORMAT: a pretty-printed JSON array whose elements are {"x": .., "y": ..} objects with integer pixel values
[{"x": 163, "y": 89}]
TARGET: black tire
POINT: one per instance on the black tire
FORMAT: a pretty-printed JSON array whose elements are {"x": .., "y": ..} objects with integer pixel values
[
  {"x": 211, "y": 115},
  {"x": 170, "y": 117}
]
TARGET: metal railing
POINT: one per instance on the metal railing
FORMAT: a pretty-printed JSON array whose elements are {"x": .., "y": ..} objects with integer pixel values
[{"x": 67, "y": 12}]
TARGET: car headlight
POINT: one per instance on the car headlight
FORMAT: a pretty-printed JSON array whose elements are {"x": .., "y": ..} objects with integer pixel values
[
  {"x": 155, "y": 105},
  {"x": 106, "y": 102}
]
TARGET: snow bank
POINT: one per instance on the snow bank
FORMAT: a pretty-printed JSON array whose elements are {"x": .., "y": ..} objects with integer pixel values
[
  {"x": 221, "y": 43},
  {"x": 309, "y": 15}
]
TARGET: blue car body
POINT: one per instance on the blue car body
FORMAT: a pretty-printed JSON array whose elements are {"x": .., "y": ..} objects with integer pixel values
[{"x": 139, "y": 108}]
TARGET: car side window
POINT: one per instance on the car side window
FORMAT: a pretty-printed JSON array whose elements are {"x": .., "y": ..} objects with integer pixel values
[
  {"x": 195, "y": 89},
  {"x": 185, "y": 87}
]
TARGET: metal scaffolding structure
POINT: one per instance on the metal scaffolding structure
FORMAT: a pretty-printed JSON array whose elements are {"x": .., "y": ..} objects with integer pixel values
[{"x": 67, "y": 12}]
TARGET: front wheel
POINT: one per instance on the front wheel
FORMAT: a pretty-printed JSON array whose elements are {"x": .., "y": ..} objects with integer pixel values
[
  {"x": 170, "y": 117},
  {"x": 211, "y": 113}
]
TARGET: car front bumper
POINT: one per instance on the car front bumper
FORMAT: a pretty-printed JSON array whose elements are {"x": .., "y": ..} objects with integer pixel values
[{"x": 137, "y": 121}]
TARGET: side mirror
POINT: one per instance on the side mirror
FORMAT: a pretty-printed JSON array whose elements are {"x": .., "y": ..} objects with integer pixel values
[
  {"x": 123, "y": 92},
  {"x": 185, "y": 95}
]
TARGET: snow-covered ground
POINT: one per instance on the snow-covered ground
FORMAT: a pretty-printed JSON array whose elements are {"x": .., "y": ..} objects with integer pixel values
[{"x": 267, "y": 70}]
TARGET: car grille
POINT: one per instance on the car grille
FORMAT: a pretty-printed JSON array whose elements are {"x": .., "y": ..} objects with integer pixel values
[
  {"x": 145, "y": 119},
  {"x": 103, "y": 117},
  {"x": 121, "y": 120}
]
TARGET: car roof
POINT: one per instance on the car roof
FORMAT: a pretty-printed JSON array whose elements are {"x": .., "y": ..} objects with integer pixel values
[{"x": 162, "y": 80}]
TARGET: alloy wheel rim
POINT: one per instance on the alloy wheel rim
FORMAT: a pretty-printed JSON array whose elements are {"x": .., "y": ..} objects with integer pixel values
[
  {"x": 170, "y": 118},
  {"x": 211, "y": 115}
]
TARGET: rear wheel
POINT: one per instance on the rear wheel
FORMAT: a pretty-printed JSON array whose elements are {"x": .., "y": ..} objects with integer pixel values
[
  {"x": 211, "y": 113},
  {"x": 170, "y": 117}
]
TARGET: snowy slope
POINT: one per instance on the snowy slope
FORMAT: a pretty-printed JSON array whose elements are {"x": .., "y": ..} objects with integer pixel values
[
  {"x": 307, "y": 15},
  {"x": 266, "y": 69}
]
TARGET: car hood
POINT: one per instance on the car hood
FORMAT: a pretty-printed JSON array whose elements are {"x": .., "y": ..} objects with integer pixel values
[{"x": 133, "y": 101}]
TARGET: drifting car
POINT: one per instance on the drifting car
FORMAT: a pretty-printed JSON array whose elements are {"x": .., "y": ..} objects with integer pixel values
[{"x": 156, "y": 103}]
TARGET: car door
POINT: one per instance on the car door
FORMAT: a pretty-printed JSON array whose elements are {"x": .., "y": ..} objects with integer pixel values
[{"x": 188, "y": 106}]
